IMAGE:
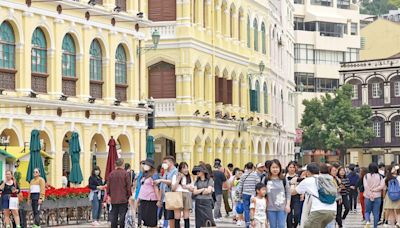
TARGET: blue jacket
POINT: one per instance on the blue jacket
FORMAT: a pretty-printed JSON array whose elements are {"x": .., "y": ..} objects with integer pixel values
[{"x": 353, "y": 178}]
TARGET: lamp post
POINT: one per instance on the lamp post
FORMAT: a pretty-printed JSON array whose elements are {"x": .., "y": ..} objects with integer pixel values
[{"x": 155, "y": 37}]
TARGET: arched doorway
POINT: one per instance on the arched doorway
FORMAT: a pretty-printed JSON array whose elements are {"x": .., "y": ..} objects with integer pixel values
[
  {"x": 235, "y": 153},
  {"x": 259, "y": 153},
  {"x": 227, "y": 153},
  {"x": 243, "y": 155},
  {"x": 99, "y": 152},
  {"x": 66, "y": 160},
  {"x": 267, "y": 152},
  {"x": 208, "y": 153},
  {"x": 9, "y": 138},
  {"x": 163, "y": 147}
]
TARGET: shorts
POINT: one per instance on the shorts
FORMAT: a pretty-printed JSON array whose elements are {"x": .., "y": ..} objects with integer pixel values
[
  {"x": 5, "y": 201},
  {"x": 168, "y": 214},
  {"x": 187, "y": 200}
]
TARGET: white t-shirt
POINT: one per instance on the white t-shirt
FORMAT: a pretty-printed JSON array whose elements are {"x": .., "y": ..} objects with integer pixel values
[
  {"x": 260, "y": 208},
  {"x": 309, "y": 185},
  {"x": 183, "y": 182}
]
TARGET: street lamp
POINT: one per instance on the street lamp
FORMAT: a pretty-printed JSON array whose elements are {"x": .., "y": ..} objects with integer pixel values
[
  {"x": 155, "y": 36},
  {"x": 261, "y": 67}
]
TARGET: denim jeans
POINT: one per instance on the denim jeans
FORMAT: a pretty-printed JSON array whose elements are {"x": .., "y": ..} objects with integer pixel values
[
  {"x": 96, "y": 209},
  {"x": 246, "y": 206},
  {"x": 277, "y": 219},
  {"x": 374, "y": 207}
]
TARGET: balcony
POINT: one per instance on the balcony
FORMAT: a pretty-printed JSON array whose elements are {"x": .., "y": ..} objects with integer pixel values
[
  {"x": 167, "y": 29},
  {"x": 165, "y": 107}
]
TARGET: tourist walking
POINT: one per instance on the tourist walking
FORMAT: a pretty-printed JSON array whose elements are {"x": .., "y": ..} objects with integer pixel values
[
  {"x": 183, "y": 183},
  {"x": 360, "y": 187},
  {"x": 119, "y": 191},
  {"x": 219, "y": 180},
  {"x": 278, "y": 193},
  {"x": 237, "y": 217},
  {"x": 293, "y": 218},
  {"x": 166, "y": 181},
  {"x": 149, "y": 195},
  {"x": 322, "y": 212},
  {"x": 202, "y": 191},
  {"x": 36, "y": 196},
  {"x": 9, "y": 200},
  {"x": 344, "y": 186},
  {"x": 373, "y": 186},
  {"x": 353, "y": 191},
  {"x": 391, "y": 206},
  {"x": 258, "y": 207},
  {"x": 97, "y": 187},
  {"x": 247, "y": 188}
]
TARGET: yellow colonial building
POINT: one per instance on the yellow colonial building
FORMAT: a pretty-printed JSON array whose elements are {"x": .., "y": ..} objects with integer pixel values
[
  {"x": 70, "y": 66},
  {"x": 215, "y": 91}
]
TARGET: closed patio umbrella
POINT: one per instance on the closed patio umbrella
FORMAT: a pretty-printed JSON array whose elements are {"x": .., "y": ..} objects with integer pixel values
[
  {"x": 112, "y": 157},
  {"x": 150, "y": 147},
  {"x": 75, "y": 175},
  {"x": 35, "y": 159}
]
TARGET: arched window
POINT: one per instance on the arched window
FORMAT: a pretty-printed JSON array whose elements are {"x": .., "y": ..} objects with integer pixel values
[
  {"x": 265, "y": 98},
  {"x": 68, "y": 57},
  {"x": 39, "y": 52},
  {"x": 257, "y": 96},
  {"x": 7, "y": 56},
  {"x": 68, "y": 66},
  {"x": 96, "y": 71},
  {"x": 248, "y": 32},
  {"x": 39, "y": 62},
  {"x": 255, "y": 26},
  {"x": 263, "y": 39},
  {"x": 120, "y": 74}
]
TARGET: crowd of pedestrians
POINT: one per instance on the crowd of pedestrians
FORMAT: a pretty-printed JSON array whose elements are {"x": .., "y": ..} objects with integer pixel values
[{"x": 267, "y": 194}]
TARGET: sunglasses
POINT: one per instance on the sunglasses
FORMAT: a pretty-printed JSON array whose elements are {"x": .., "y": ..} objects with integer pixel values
[{"x": 35, "y": 171}]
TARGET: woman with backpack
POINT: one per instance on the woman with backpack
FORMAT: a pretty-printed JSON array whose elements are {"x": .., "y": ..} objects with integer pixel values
[
  {"x": 9, "y": 190},
  {"x": 278, "y": 194},
  {"x": 149, "y": 195},
  {"x": 373, "y": 185},
  {"x": 392, "y": 208},
  {"x": 344, "y": 188}
]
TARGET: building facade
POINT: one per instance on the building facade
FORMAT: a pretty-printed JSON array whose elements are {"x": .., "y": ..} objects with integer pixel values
[
  {"x": 221, "y": 82},
  {"x": 376, "y": 83},
  {"x": 326, "y": 33},
  {"x": 65, "y": 67},
  {"x": 380, "y": 39}
]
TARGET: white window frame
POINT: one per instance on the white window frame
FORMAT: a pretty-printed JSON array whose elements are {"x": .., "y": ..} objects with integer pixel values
[
  {"x": 396, "y": 88},
  {"x": 397, "y": 128},
  {"x": 354, "y": 95},
  {"x": 377, "y": 128},
  {"x": 375, "y": 90}
]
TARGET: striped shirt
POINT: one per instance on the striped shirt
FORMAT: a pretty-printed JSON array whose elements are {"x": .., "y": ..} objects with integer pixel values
[
  {"x": 248, "y": 183},
  {"x": 345, "y": 186}
]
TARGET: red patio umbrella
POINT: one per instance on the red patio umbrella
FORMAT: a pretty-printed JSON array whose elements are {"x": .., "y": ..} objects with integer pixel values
[{"x": 112, "y": 157}]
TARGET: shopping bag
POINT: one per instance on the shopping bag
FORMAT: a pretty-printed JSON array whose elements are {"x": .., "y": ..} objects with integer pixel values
[
  {"x": 209, "y": 225},
  {"x": 14, "y": 203},
  {"x": 173, "y": 200}
]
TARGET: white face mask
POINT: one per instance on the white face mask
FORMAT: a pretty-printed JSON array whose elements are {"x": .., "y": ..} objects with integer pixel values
[
  {"x": 97, "y": 172},
  {"x": 165, "y": 166},
  {"x": 146, "y": 167},
  {"x": 381, "y": 172}
]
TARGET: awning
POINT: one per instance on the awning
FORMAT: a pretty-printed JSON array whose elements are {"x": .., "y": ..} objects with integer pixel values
[
  {"x": 324, "y": 17},
  {"x": 6, "y": 154},
  {"x": 18, "y": 152}
]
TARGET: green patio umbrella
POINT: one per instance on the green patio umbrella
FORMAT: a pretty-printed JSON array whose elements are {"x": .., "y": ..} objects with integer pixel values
[
  {"x": 35, "y": 159},
  {"x": 150, "y": 146},
  {"x": 75, "y": 175}
]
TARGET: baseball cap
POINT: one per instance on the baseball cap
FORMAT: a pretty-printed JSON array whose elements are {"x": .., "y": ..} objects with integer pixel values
[{"x": 260, "y": 165}]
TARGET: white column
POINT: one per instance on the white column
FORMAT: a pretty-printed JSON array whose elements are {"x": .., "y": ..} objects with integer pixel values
[
  {"x": 386, "y": 92},
  {"x": 388, "y": 133},
  {"x": 365, "y": 94}
]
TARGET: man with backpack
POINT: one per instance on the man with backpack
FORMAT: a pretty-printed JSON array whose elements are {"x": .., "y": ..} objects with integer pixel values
[{"x": 323, "y": 194}]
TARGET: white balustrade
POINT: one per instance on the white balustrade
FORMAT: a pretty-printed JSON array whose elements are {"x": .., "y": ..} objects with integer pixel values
[
  {"x": 165, "y": 107},
  {"x": 167, "y": 29}
]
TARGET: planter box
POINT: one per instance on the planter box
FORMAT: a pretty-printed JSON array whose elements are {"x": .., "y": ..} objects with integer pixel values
[
  {"x": 66, "y": 203},
  {"x": 49, "y": 204},
  {"x": 83, "y": 202}
]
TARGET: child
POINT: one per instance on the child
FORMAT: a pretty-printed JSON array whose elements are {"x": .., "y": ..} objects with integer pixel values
[
  {"x": 238, "y": 217},
  {"x": 258, "y": 207}
]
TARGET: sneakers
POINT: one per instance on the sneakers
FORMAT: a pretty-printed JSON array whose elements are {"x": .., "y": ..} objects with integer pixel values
[
  {"x": 367, "y": 225},
  {"x": 218, "y": 219},
  {"x": 95, "y": 223},
  {"x": 239, "y": 223}
]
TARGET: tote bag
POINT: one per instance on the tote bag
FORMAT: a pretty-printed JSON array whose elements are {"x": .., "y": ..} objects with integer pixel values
[
  {"x": 14, "y": 203},
  {"x": 173, "y": 200}
]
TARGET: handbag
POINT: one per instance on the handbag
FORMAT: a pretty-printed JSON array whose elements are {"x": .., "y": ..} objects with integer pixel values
[
  {"x": 208, "y": 224},
  {"x": 13, "y": 203},
  {"x": 173, "y": 200}
]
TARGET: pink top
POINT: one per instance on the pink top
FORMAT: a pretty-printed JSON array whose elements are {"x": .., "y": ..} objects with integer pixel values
[
  {"x": 147, "y": 191},
  {"x": 373, "y": 185}
]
